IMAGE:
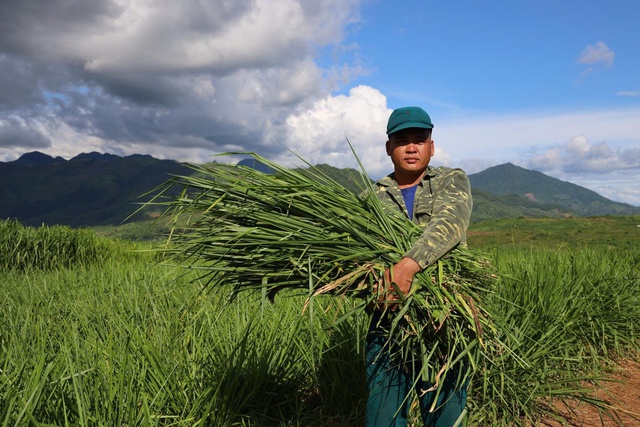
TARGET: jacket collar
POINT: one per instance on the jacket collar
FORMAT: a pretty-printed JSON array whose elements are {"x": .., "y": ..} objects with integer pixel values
[{"x": 390, "y": 180}]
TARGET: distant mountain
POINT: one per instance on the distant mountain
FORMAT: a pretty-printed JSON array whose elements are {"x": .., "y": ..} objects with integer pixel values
[
  {"x": 504, "y": 192},
  {"x": 87, "y": 190},
  {"x": 534, "y": 189},
  {"x": 255, "y": 164},
  {"x": 97, "y": 156},
  {"x": 38, "y": 158},
  {"x": 104, "y": 189},
  {"x": 350, "y": 179},
  {"x": 488, "y": 206}
]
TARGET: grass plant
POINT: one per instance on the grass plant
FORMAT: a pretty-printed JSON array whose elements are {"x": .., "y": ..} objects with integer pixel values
[
  {"x": 48, "y": 247},
  {"x": 301, "y": 230},
  {"x": 128, "y": 341},
  {"x": 569, "y": 314}
]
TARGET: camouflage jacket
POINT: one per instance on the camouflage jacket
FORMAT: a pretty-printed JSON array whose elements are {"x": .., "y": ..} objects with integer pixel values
[{"x": 442, "y": 207}]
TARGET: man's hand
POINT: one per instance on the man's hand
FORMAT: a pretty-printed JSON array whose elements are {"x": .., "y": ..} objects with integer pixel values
[{"x": 402, "y": 275}]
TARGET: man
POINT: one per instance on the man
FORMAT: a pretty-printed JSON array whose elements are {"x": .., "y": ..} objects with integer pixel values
[{"x": 439, "y": 200}]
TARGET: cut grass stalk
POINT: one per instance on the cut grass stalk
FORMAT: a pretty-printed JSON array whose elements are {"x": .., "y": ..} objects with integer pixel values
[{"x": 290, "y": 228}]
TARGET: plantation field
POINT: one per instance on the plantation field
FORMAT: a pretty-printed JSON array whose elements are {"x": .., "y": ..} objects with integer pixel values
[
  {"x": 621, "y": 232},
  {"x": 117, "y": 337}
]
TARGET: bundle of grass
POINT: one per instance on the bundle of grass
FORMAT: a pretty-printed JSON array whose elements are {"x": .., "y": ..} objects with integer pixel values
[{"x": 299, "y": 229}]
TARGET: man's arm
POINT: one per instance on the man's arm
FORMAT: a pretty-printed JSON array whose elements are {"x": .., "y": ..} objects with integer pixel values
[
  {"x": 449, "y": 219},
  {"x": 447, "y": 227}
]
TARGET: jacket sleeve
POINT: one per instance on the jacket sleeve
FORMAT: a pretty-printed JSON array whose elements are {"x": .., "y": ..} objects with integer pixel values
[{"x": 449, "y": 219}]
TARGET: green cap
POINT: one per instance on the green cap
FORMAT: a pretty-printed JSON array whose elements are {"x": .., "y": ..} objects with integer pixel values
[{"x": 408, "y": 117}]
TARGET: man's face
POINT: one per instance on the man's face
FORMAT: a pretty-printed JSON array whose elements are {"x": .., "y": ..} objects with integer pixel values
[{"x": 410, "y": 150}]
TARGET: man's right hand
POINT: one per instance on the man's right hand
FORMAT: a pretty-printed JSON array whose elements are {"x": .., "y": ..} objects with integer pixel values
[{"x": 402, "y": 275}]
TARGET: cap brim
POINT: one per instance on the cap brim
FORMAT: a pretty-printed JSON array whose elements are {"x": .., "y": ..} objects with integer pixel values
[{"x": 408, "y": 125}]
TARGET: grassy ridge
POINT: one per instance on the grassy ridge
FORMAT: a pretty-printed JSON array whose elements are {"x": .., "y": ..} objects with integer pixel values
[{"x": 128, "y": 341}]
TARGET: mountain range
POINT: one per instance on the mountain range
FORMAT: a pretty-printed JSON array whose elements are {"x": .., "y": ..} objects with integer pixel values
[
  {"x": 94, "y": 189},
  {"x": 87, "y": 190},
  {"x": 508, "y": 190}
]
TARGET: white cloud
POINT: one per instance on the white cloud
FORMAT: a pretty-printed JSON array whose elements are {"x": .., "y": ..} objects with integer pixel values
[
  {"x": 597, "y": 53},
  {"x": 625, "y": 192},
  {"x": 579, "y": 156},
  {"x": 319, "y": 133},
  {"x": 499, "y": 136},
  {"x": 612, "y": 173},
  {"x": 621, "y": 186},
  {"x": 322, "y": 132},
  {"x": 559, "y": 144}
]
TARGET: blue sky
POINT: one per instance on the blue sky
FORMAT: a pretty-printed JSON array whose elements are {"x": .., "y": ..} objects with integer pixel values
[
  {"x": 551, "y": 86},
  {"x": 572, "y": 68},
  {"x": 501, "y": 56}
]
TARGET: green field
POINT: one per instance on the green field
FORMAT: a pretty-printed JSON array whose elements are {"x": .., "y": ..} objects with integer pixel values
[
  {"x": 620, "y": 232},
  {"x": 119, "y": 338}
]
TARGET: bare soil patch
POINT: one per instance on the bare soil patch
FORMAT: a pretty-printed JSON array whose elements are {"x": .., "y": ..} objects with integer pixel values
[{"x": 623, "y": 394}]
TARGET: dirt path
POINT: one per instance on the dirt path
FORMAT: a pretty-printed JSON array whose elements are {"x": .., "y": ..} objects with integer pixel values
[{"x": 624, "y": 393}]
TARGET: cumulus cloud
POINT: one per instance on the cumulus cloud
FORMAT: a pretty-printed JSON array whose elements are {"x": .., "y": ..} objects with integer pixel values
[
  {"x": 498, "y": 136},
  {"x": 578, "y": 155},
  {"x": 626, "y": 191},
  {"x": 327, "y": 131},
  {"x": 322, "y": 132},
  {"x": 619, "y": 185},
  {"x": 116, "y": 36},
  {"x": 597, "y": 53}
]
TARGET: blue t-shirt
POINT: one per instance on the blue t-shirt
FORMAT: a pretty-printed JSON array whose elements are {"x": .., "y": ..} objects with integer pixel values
[{"x": 408, "y": 194}]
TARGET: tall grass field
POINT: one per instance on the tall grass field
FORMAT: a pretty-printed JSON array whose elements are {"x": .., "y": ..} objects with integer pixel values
[{"x": 99, "y": 331}]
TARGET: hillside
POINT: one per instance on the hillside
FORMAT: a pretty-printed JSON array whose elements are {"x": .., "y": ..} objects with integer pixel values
[
  {"x": 89, "y": 189},
  {"x": 488, "y": 206},
  {"x": 350, "y": 179},
  {"x": 549, "y": 194},
  {"x": 94, "y": 189}
]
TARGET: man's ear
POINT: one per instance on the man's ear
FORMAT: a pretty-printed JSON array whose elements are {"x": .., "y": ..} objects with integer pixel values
[
  {"x": 388, "y": 147},
  {"x": 433, "y": 148}
]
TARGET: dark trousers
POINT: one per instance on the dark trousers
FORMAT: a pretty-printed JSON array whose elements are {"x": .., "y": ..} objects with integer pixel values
[{"x": 390, "y": 384}]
